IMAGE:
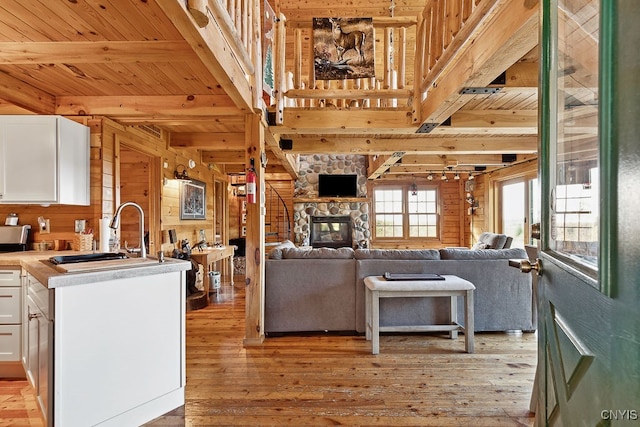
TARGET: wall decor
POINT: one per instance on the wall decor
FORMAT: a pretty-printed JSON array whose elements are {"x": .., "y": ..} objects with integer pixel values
[
  {"x": 343, "y": 48},
  {"x": 193, "y": 201}
]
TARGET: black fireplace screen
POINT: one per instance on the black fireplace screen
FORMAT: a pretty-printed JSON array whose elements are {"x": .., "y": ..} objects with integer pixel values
[{"x": 330, "y": 232}]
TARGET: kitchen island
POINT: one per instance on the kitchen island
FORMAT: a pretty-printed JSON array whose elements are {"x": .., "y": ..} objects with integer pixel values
[{"x": 105, "y": 344}]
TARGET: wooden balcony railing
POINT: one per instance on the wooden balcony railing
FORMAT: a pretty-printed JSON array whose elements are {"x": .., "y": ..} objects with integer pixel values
[
  {"x": 297, "y": 86},
  {"x": 427, "y": 45}
]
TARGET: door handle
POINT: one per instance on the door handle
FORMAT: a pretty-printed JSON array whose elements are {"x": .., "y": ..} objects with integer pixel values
[{"x": 526, "y": 266}]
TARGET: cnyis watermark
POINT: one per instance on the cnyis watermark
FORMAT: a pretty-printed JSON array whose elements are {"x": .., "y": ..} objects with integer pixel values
[{"x": 619, "y": 414}]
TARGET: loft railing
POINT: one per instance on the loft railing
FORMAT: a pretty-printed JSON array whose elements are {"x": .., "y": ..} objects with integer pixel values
[
  {"x": 296, "y": 86},
  {"x": 427, "y": 45}
]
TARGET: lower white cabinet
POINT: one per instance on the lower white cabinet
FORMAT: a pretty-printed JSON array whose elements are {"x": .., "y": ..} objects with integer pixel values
[
  {"x": 10, "y": 343},
  {"x": 107, "y": 359},
  {"x": 10, "y": 323},
  {"x": 38, "y": 336}
]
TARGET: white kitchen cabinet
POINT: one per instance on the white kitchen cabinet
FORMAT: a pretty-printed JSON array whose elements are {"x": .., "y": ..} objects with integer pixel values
[
  {"x": 95, "y": 355},
  {"x": 10, "y": 323},
  {"x": 44, "y": 160}
]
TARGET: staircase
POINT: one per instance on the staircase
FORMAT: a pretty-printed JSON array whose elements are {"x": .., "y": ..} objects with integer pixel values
[{"x": 277, "y": 226}]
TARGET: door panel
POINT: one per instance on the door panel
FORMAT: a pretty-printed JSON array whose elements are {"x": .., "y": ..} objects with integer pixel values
[
  {"x": 574, "y": 332},
  {"x": 589, "y": 322}
]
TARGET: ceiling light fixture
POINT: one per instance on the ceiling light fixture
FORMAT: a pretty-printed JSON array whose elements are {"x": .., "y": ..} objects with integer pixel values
[
  {"x": 430, "y": 177},
  {"x": 414, "y": 189},
  {"x": 456, "y": 176},
  {"x": 444, "y": 176}
]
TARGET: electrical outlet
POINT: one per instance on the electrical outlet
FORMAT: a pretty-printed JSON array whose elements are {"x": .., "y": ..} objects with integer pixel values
[{"x": 80, "y": 225}]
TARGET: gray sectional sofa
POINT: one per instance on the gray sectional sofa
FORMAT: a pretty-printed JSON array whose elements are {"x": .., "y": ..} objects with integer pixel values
[{"x": 322, "y": 289}]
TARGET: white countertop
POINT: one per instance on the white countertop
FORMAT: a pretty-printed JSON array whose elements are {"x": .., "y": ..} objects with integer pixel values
[{"x": 37, "y": 264}]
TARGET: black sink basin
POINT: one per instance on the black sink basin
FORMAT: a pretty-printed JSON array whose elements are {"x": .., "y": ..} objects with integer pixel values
[{"x": 101, "y": 256}]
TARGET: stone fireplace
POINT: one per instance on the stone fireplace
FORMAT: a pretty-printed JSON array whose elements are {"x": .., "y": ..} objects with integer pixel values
[
  {"x": 330, "y": 232},
  {"x": 307, "y": 205}
]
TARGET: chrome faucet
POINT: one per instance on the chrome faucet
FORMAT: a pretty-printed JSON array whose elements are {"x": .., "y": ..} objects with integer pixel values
[{"x": 115, "y": 222}]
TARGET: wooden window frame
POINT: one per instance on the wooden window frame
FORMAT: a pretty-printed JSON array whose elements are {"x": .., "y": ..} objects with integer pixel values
[{"x": 405, "y": 187}]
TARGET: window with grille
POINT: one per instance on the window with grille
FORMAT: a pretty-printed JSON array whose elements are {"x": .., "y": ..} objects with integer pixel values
[{"x": 402, "y": 212}]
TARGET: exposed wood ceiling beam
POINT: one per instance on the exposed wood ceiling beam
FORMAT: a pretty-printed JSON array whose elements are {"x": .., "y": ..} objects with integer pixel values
[
  {"x": 209, "y": 141},
  {"x": 449, "y": 162},
  {"x": 495, "y": 119},
  {"x": 26, "y": 96},
  {"x": 235, "y": 157},
  {"x": 453, "y": 160},
  {"x": 162, "y": 105},
  {"x": 427, "y": 145},
  {"x": 86, "y": 52},
  {"x": 381, "y": 164},
  {"x": 508, "y": 35},
  {"x": 305, "y": 121}
]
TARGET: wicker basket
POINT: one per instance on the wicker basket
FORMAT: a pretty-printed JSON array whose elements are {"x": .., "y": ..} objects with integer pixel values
[{"x": 82, "y": 242}]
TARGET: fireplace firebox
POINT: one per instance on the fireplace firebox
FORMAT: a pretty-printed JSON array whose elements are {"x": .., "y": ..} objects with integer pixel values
[{"x": 330, "y": 232}]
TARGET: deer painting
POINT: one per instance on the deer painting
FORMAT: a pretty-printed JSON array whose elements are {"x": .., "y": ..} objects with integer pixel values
[{"x": 347, "y": 41}]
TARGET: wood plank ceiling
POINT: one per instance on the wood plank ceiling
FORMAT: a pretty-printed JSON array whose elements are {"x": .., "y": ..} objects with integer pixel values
[{"x": 144, "y": 62}]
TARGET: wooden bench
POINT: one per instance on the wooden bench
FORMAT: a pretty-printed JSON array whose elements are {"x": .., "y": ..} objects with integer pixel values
[{"x": 452, "y": 286}]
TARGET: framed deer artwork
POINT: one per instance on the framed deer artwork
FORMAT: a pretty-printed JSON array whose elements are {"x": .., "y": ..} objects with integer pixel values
[{"x": 343, "y": 48}]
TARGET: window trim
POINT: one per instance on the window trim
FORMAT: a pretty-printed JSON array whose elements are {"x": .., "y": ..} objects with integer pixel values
[{"x": 405, "y": 187}]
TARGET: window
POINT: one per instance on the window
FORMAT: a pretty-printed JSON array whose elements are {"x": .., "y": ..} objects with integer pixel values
[
  {"x": 519, "y": 208},
  {"x": 401, "y": 213}
]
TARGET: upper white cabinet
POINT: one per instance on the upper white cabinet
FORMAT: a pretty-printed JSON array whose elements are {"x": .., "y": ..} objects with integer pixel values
[{"x": 44, "y": 160}]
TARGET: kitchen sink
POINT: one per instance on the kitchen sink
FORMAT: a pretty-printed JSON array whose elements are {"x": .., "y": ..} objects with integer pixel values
[{"x": 100, "y": 256}]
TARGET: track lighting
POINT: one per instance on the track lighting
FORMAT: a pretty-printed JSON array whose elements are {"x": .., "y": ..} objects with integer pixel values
[
  {"x": 430, "y": 177},
  {"x": 444, "y": 176}
]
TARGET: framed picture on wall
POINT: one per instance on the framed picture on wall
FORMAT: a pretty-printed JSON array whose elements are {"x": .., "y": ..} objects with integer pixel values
[{"x": 193, "y": 200}]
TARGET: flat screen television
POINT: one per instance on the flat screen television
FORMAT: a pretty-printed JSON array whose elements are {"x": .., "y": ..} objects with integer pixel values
[{"x": 337, "y": 185}]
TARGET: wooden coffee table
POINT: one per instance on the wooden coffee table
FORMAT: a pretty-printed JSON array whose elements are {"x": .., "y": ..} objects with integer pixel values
[{"x": 452, "y": 286}]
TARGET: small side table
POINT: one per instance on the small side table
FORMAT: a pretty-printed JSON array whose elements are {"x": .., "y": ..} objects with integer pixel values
[
  {"x": 207, "y": 257},
  {"x": 453, "y": 286}
]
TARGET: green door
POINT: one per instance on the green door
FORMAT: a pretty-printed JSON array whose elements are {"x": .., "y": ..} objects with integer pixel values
[{"x": 589, "y": 287}]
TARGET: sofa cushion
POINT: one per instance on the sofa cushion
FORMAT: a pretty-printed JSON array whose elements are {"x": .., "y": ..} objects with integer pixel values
[
  {"x": 495, "y": 241},
  {"x": 276, "y": 252},
  {"x": 518, "y": 253},
  {"x": 317, "y": 253},
  {"x": 407, "y": 254}
]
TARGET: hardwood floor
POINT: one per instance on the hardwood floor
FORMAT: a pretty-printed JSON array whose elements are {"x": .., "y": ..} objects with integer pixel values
[{"x": 322, "y": 379}]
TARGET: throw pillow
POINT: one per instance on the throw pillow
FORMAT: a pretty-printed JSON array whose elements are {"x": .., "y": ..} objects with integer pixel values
[{"x": 480, "y": 245}]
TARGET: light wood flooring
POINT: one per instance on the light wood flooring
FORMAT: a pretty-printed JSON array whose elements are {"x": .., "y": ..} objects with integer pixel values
[{"x": 323, "y": 379}]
